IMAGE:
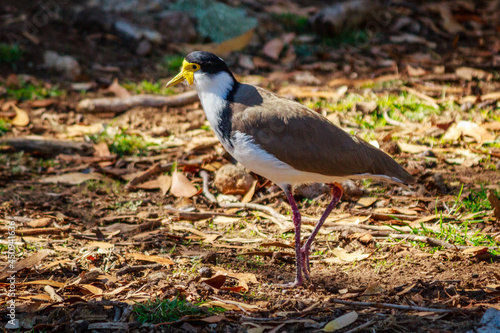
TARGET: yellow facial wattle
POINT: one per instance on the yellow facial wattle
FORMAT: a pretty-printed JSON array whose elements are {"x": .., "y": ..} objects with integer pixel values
[{"x": 186, "y": 73}]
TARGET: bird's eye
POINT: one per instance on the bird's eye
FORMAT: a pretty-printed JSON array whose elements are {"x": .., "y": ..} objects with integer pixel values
[{"x": 195, "y": 67}]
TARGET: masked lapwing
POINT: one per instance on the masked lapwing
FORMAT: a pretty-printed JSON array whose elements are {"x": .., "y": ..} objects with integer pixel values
[{"x": 283, "y": 140}]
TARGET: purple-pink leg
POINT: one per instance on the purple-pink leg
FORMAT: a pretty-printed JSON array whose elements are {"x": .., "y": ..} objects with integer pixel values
[
  {"x": 336, "y": 195},
  {"x": 296, "y": 224}
]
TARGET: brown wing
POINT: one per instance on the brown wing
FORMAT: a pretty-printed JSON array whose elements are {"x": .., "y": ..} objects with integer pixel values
[{"x": 306, "y": 140}]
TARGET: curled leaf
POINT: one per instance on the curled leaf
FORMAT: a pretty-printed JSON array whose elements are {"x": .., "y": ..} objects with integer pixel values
[{"x": 21, "y": 119}]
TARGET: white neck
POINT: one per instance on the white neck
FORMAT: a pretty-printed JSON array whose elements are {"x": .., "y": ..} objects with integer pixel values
[{"x": 213, "y": 91}]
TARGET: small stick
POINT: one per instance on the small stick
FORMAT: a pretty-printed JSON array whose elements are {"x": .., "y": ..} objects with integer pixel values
[
  {"x": 398, "y": 306},
  {"x": 232, "y": 303},
  {"x": 120, "y": 104},
  {"x": 38, "y": 231},
  {"x": 267, "y": 197},
  {"x": 206, "y": 190},
  {"x": 133, "y": 269},
  {"x": 269, "y": 210},
  {"x": 158, "y": 168},
  {"x": 430, "y": 241},
  {"x": 360, "y": 327}
]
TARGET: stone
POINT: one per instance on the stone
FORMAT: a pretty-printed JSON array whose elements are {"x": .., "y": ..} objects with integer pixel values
[
  {"x": 62, "y": 63},
  {"x": 156, "y": 276},
  {"x": 209, "y": 258},
  {"x": 366, "y": 107},
  {"x": 206, "y": 272},
  {"x": 233, "y": 179},
  {"x": 144, "y": 48}
]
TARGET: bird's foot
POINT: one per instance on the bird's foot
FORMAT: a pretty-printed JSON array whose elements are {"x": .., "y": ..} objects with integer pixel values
[
  {"x": 296, "y": 283},
  {"x": 306, "y": 267}
]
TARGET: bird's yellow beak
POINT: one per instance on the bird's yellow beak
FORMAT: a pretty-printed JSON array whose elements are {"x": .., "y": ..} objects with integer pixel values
[{"x": 187, "y": 73}]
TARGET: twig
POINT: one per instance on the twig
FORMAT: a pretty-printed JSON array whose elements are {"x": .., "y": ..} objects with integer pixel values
[
  {"x": 391, "y": 121},
  {"x": 360, "y": 327},
  {"x": 430, "y": 101},
  {"x": 52, "y": 293},
  {"x": 430, "y": 241},
  {"x": 399, "y": 307},
  {"x": 195, "y": 216},
  {"x": 267, "y": 197},
  {"x": 206, "y": 191},
  {"x": 120, "y": 104},
  {"x": 38, "y": 231},
  {"x": 47, "y": 147},
  {"x": 132, "y": 269},
  {"x": 266, "y": 209},
  {"x": 126, "y": 313},
  {"x": 231, "y": 302},
  {"x": 159, "y": 168}
]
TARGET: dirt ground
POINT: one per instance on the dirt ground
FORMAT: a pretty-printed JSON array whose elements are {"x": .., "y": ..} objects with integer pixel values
[{"x": 121, "y": 219}]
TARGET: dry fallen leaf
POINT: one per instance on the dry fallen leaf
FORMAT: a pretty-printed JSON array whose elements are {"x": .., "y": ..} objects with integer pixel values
[
  {"x": 39, "y": 223},
  {"x": 468, "y": 128},
  {"x": 72, "y": 178},
  {"x": 143, "y": 257},
  {"x": 468, "y": 74},
  {"x": 342, "y": 256},
  {"x": 163, "y": 182},
  {"x": 28, "y": 262},
  {"x": 46, "y": 283},
  {"x": 273, "y": 48},
  {"x": 181, "y": 186},
  {"x": 93, "y": 289},
  {"x": 80, "y": 130},
  {"x": 21, "y": 119},
  {"x": 476, "y": 250},
  {"x": 232, "y": 305},
  {"x": 118, "y": 90},
  {"x": 249, "y": 195},
  {"x": 341, "y": 322},
  {"x": 411, "y": 148},
  {"x": 215, "y": 282},
  {"x": 243, "y": 278},
  {"x": 311, "y": 92},
  {"x": 366, "y": 201},
  {"x": 415, "y": 71}
]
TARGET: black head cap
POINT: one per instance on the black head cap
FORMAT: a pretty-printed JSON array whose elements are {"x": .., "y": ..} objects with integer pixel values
[{"x": 209, "y": 62}]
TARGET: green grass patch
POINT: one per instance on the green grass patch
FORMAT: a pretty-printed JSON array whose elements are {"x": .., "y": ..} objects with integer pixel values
[
  {"x": 357, "y": 38},
  {"x": 4, "y": 126},
  {"x": 292, "y": 22},
  {"x": 158, "y": 311},
  {"x": 406, "y": 107},
  {"x": 173, "y": 63},
  {"x": 28, "y": 91},
  {"x": 10, "y": 54},
  {"x": 477, "y": 200},
  {"x": 147, "y": 87},
  {"x": 343, "y": 105},
  {"x": 122, "y": 143}
]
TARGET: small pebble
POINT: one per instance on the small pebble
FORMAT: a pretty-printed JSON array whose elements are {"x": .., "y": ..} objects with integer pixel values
[
  {"x": 206, "y": 272},
  {"x": 209, "y": 258}
]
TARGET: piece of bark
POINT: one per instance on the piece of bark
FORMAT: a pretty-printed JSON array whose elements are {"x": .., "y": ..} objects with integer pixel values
[
  {"x": 48, "y": 147},
  {"x": 120, "y": 104}
]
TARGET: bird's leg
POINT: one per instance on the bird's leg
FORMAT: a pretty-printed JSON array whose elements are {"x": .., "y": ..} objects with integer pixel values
[
  {"x": 336, "y": 195},
  {"x": 296, "y": 223}
]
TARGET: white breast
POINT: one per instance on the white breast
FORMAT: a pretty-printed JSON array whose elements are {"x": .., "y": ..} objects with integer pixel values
[{"x": 213, "y": 91}]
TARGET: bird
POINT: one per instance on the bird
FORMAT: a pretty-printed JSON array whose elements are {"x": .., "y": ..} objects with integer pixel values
[{"x": 283, "y": 141}]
